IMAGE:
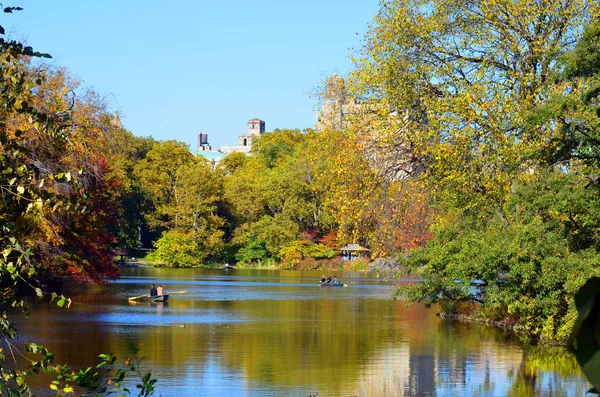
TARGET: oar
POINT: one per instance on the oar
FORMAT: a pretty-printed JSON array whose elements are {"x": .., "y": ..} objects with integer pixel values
[
  {"x": 137, "y": 297},
  {"x": 176, "y": 292}
]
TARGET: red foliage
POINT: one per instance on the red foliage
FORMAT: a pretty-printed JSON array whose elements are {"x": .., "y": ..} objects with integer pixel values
[
  {"x": 329, "y": 240},
  {"x": 86, "y": 244}
]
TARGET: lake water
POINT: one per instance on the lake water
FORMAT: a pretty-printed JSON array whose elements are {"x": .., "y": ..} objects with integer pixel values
[{"x": 276, "y": 333}]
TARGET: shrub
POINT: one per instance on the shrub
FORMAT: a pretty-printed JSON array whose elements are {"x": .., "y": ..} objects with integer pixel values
[{"x": 177, "y": 249}]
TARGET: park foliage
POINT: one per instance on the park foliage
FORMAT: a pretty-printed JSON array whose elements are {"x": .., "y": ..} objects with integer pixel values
[
  {"x": 59, "y": 212},
  {"x": 499, "y": 101},
  {"x": 467, "y": 146}
]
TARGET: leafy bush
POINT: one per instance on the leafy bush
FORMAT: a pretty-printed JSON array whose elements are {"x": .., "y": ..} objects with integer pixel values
[
  {"x": 254, "y": 251},
  {"x": 299, "y": 250},
  {"x": 177, "y": 249}
]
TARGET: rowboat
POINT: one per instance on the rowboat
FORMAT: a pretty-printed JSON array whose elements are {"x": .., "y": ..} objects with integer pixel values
[
  {"x": 155, "y": 298},
  {"x": 332, "y": 285},
  {"x": 159, "y": 298}
]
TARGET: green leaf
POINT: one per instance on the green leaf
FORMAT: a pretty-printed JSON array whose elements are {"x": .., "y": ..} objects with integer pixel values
[
  {"x": 133, "y": 349},
  {"x": 20, "y": 189},
  {"x": 39, "y": 292},
  {"x": 61, "y": 301},
  {"x": 2, "y": 31}
]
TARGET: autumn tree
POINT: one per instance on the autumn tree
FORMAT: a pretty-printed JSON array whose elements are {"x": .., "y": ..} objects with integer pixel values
[
  {"x": 55, "y": 146},
  {"x": 570, "y": 114},
  {"x": 125, "y": 151},
  {"x": 451, "y": 82},
  {"x": 276, "y": 197},
  {"x": 56, "y": 204},
  {"x": 505, "y": 116},
  {"x": 365, "y": 206},
  {"x": 186, "y": 196},
  {"x": 157, "y": 173}
]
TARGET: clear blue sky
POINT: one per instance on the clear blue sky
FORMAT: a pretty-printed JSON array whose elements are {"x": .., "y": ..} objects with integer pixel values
[{"x": 175, "y": 68}]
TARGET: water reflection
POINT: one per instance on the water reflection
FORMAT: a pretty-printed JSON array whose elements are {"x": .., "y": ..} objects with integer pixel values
[{"x": 277, "y": 333}]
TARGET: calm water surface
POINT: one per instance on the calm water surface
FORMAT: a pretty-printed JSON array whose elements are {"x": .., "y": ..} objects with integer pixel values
[{"x": 275, "y": 333}]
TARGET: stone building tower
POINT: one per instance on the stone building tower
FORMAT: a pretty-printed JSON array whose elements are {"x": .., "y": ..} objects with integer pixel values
[{"x": 255, "y": 128}]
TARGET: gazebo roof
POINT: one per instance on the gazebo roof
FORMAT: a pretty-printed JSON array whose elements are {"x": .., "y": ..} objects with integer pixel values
[
  {"x": 119, "y": 251},
  {"x": 353, "y": 247}
]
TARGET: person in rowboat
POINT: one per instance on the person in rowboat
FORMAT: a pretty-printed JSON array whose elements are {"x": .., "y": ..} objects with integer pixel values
[
  {"x": 323, "y": 280},
  {"x": 159, "y": 290},
  {"x": 328, "y": 280},
  {"x": 335, "y": 280},
  {"x": 153, "y": 291}
]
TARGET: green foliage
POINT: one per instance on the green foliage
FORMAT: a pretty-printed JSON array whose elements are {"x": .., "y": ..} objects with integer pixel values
[
  {"x": 527, "y": 261},
  {"x": 126, "y": 151},
  {"x": 275, "y": 195},
  {"x": 177, "y": 249},
  {"x": 232, "y": 162},
  {"x": 298, "y": 250},
  {"x": 187, "y": 197},
  {"x": 572, "y": 112},
  {"x": 253, "y": 251},
  {"x": 106, "y": 378},
  {"x": 157, "y": 174},
  {"x": 498, "y": 124}
]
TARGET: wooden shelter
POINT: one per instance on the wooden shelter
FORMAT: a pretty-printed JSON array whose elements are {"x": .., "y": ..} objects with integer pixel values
[
  {"x": 352, "y": 252},
  {"x": 120, "y": 252}
]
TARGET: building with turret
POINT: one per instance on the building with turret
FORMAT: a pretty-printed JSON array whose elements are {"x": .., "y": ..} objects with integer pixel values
[{"x": 255, "y": 127}]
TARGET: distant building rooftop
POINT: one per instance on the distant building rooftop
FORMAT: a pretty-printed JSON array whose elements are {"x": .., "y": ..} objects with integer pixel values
[{"x": 352, "y": 247}]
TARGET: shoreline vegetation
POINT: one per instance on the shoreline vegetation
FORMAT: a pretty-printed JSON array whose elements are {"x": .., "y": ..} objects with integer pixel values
[{"x": 387, "y": 267}]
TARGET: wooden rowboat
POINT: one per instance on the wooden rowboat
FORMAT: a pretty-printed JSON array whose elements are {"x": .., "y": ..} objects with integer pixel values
[
  {"x": 159, "y": 298},
  {"x": 155, "y": 298}
]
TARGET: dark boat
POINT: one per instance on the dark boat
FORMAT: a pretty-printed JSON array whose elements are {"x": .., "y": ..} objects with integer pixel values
[
  {"x": 159, "y": 298},
  {"x": 332, "y": 285}
]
